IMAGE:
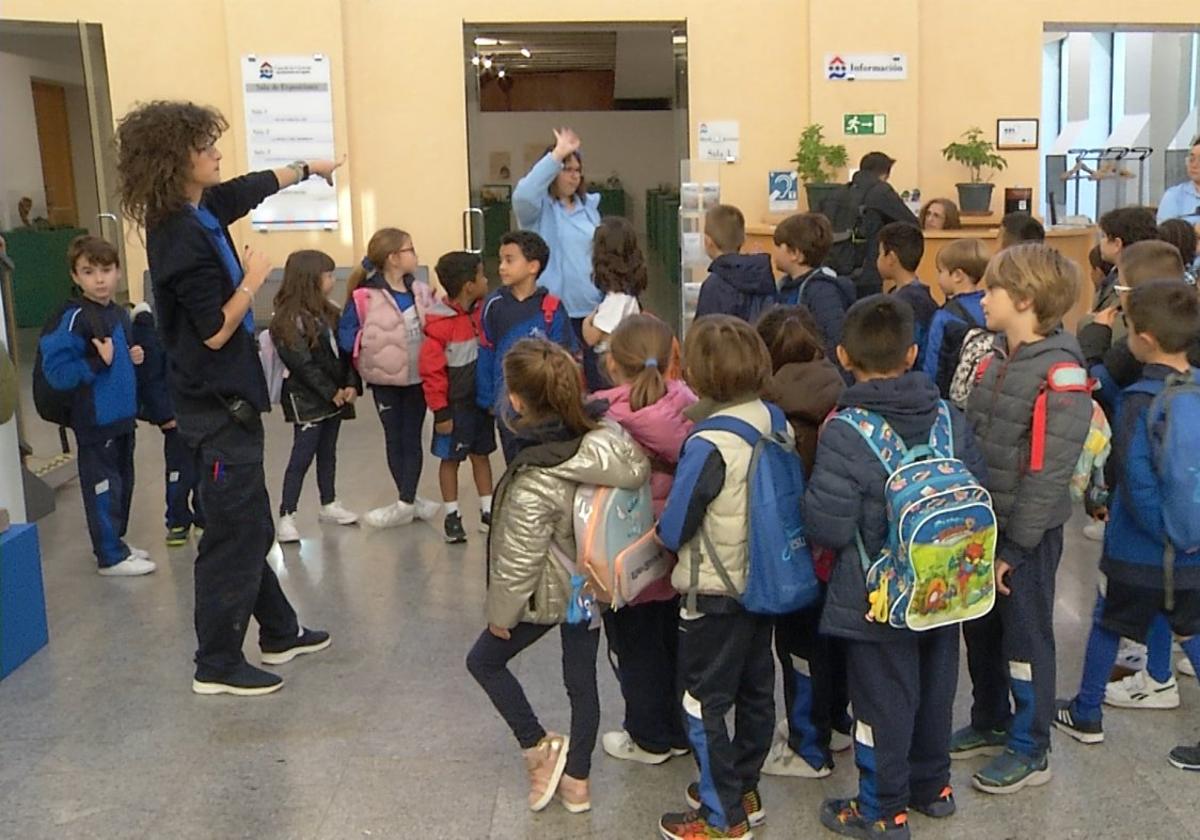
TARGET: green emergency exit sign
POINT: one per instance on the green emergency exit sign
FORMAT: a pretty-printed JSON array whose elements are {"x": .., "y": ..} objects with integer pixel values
[{"x": 864, "y": 123}]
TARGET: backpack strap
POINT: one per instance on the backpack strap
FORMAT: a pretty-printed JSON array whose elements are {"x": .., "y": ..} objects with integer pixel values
[
  {"x": 549, "y": 307},
  {"x": 941, "y": 433},
  {"x": 1063, "y": 377},
  {"x": 888, "y": 446},
  {"x": 732, "y": 425}
]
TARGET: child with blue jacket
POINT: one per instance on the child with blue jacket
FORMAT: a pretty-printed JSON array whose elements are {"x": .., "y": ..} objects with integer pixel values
[
  {"x": 155, "y": 406},
  {"x": 91, "y": 355},
  {"x": 960, "y": 266},
  {"x": 1164, "y": 317},
  {"x": 738, "y": 284},
  {"x": 902, "y": 683},
  {"x": 520, "y": 308}
]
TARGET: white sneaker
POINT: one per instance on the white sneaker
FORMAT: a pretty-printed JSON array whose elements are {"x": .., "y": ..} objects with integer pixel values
[
  {"x": 138, "y": 552},
  {"x": 1094, "y": 530},
  {"x": 783, "y": 761},
  {"x": 131, "y": 566},
  {"x": 1131, "y": 655},
  {"x": 1186, "y": 668},
  {"x": 334, "y": 512},
  {"x": 620, "y": 745},
  {"x": 285, "y": 531},
  {"x": 426, "y": 509},
  {"x": 390, "y": 516},
  {"x": 1142, "y": 691}
]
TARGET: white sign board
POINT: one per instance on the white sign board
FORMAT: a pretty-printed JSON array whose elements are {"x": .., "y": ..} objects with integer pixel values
[
  {"x": 289, "y": 117},
  {"x": 782, "y": 191},
  {"x": 719, "y": 140},
  {"x": 868, "y": 67}
]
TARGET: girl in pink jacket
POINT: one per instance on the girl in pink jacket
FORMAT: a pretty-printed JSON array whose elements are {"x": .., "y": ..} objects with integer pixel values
[{"x": 642, "y": 636}]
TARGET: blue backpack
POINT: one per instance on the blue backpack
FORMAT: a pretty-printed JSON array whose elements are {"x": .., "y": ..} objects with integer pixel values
[
  {"x": 1173, "y": 421},
  {"x": 780, "y": 577},
  {"x": 938, "y": 564}
]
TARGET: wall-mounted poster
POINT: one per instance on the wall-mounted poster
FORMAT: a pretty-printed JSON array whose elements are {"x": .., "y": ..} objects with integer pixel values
[
  {"x": 289, "y": 117},
  {"x": 1017, "y": 133}
]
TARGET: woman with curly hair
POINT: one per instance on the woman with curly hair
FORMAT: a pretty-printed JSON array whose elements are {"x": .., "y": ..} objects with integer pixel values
[
  {"x": 619, "y": 272},
  {"x": 939, "y": 214},
  {"x": 169, "y": 170}
]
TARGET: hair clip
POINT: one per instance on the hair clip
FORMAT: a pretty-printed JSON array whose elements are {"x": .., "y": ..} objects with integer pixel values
[
  {"x": 367, "y": 264},
  {"x": 650, "y": 363}
]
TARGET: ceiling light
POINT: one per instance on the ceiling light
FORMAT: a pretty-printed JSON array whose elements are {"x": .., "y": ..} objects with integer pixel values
[
  {"x": 500, "y": 75},
  {"x": 487, "y": 62},
  {"x": 475, "y": 60},
  {"x": 677, "y": 39},
  {"x": 525, "y": 52},
  {"x": 486, "y": 42}
]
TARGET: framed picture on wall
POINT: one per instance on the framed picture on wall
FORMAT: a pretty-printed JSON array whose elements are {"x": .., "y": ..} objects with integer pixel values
[{"x": 1017, "y": 133}]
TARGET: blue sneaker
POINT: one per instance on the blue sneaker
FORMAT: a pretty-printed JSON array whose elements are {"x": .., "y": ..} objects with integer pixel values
[
  {"x": 969, "y": 742},
  {"x": 1010, "y": 772}
]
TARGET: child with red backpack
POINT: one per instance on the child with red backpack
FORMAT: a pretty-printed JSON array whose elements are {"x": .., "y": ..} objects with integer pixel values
[
  {"x": 643, "y": 636},
  {"x": 382, "y": 329}
]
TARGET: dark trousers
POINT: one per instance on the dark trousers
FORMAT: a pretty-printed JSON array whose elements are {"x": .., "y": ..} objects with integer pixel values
[
  {"x": 106, "y": 482},
  {"x": 182, "y": 481},
  {"x": 903, "y": 696},
  {"x": 1011, "y": 649},
  {"x": 311, "y": 440},
  {"x": 814, "y": 684},
  {"x": 725, "y": 661},
  {"x": 592, "y": 376},
  {"x": 233, "y": 579},
  {"x": 488, "y": 664},
  {"x": 643, "y": 645},
  {"x": 402, "y": 413}
]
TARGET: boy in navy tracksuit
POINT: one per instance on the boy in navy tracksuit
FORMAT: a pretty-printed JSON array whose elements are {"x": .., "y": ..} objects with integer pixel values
[
  {"x": 741, "y": 285},
  {"x": 902, "y": 683},
  {"x": 960, "y": 266},
  {"x": 901, "y": 247},
  {"x": 802, "y": 243},
  {"x": 519, "y": 309},
  {"x": 155, "y": 406},
  {"x": 90, "y": 354},
  {"x": 1164, "y": 317}
]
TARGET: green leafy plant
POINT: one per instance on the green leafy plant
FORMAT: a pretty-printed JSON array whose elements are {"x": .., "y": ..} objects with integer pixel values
[
  {"x": 976, "y": 154},
  {"x": 816, "y": 161}
]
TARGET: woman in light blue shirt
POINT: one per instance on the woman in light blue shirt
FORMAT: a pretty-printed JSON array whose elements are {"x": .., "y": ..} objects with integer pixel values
[
  {"x": 552, "y": 201},
  {"x": 1182, "y": 201}
]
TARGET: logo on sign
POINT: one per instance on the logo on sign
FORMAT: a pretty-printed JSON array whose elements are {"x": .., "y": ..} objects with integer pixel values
[
  {"x": 836, "y": 68},
  {"x": 265, "y": 70}
]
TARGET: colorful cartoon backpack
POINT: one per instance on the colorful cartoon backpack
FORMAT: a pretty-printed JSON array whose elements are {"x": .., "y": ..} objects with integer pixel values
[
  {"x": 614, "y": 539},
  {"x": 937, "y": 566}
]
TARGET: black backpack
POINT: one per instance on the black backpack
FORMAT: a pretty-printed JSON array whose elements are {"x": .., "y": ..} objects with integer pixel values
[
  {"x": 952, "y": 341},
  {"x": 52, "y": 405},
  {"x": 853, "y": 226}
]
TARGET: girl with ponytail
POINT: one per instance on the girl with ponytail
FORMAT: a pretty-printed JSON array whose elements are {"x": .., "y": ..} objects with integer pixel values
[
  {"x": 530, "y": 554},
  {"x": 381, "y": 329},
  {"x": 642, "y": 637}
]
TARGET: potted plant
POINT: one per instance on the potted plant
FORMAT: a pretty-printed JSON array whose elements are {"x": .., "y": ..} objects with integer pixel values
[
  {"x": 816, "y": 164},
  {"x": 976, "y": 154}
]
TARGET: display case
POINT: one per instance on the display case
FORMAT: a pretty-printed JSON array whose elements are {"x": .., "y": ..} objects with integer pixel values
[{"x": 699, "y": 190}]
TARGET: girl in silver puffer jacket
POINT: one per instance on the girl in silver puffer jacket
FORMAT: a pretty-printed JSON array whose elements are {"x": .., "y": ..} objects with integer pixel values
[{"x": 532, "y": 535}]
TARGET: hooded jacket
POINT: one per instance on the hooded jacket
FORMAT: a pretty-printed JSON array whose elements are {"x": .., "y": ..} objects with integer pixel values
[
  {"x": 807, "y": 392},
  {"x": 881, "y": 204},
  {"x": 1000, "y": 409},
  {"x": 845, "y": 495},
  {"x": 827, "y": 297},
  {"x": 534, "y": 510},
  {"x": 741, "y": 285},
  {"x": 449, "y": 357},
  {"x": 503, "y": 322}
]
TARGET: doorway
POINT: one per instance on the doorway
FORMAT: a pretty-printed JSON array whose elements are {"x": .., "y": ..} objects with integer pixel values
[
  {"x": 57, "y": 181},
  {"x": 621, "y": 87}
]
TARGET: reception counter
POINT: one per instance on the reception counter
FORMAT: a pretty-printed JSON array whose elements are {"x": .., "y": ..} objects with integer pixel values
[{"x": 1073, "y": 242}]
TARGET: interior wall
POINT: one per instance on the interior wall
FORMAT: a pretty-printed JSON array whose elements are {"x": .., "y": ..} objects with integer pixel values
[
  {"x": 83, "y": 164},
  {"x": 401, "y": 111},
  {"x": 635, "y": 145},
  {"x": 20, "y": 161}
]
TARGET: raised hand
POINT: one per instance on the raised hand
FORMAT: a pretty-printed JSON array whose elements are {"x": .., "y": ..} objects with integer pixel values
[
  {"x": 566, "y": 143},
  {"x": 257, "y": 266}
]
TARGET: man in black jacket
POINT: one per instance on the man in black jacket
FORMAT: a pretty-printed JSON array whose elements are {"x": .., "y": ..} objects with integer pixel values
[{"x": 205, "y": 297}]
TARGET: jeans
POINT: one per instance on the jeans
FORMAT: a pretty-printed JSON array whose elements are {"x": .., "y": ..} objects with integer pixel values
[
  {"x": 402, "y": 413},
  {"x": 488, "y": 664},
  {"x": 311, "y": 440}
]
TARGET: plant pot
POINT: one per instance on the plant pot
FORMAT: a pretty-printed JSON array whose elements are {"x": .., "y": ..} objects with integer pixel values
[
  {"x": 974, "y": 198},
  {"x": 818, "y": 193}
]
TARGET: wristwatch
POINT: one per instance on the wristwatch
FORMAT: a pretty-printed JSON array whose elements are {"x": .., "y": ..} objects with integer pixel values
[{"x": 301, "y": 169}]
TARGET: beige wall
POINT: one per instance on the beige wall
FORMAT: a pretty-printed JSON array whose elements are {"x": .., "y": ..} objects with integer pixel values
[{"x": 399, "y": 101}]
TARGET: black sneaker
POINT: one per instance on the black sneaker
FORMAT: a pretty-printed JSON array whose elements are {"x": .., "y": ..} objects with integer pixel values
[
  {"x": 1066, "y": 719},
  {"x": 969, "y": 741},
  {"x": 485, "y": 521},
  {"x": 309, "y": 641},
  {"x": 454, "y": 529},
  {"x": 178, "y": 536},
  {"x": 752, "y": 804},
  {"x": 939, "y": 808},
  {"x": 1185, "y": 757},
  {"x": 841, "y": 816},
  {"x": 244, "y": 681}
]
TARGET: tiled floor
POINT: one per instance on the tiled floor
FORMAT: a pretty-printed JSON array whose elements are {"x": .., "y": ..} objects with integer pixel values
[{"x": 385, "y": 735}]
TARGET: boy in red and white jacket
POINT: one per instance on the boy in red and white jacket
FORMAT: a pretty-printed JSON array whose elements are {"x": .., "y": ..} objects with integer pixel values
[{"x": 447, "y": 365}]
